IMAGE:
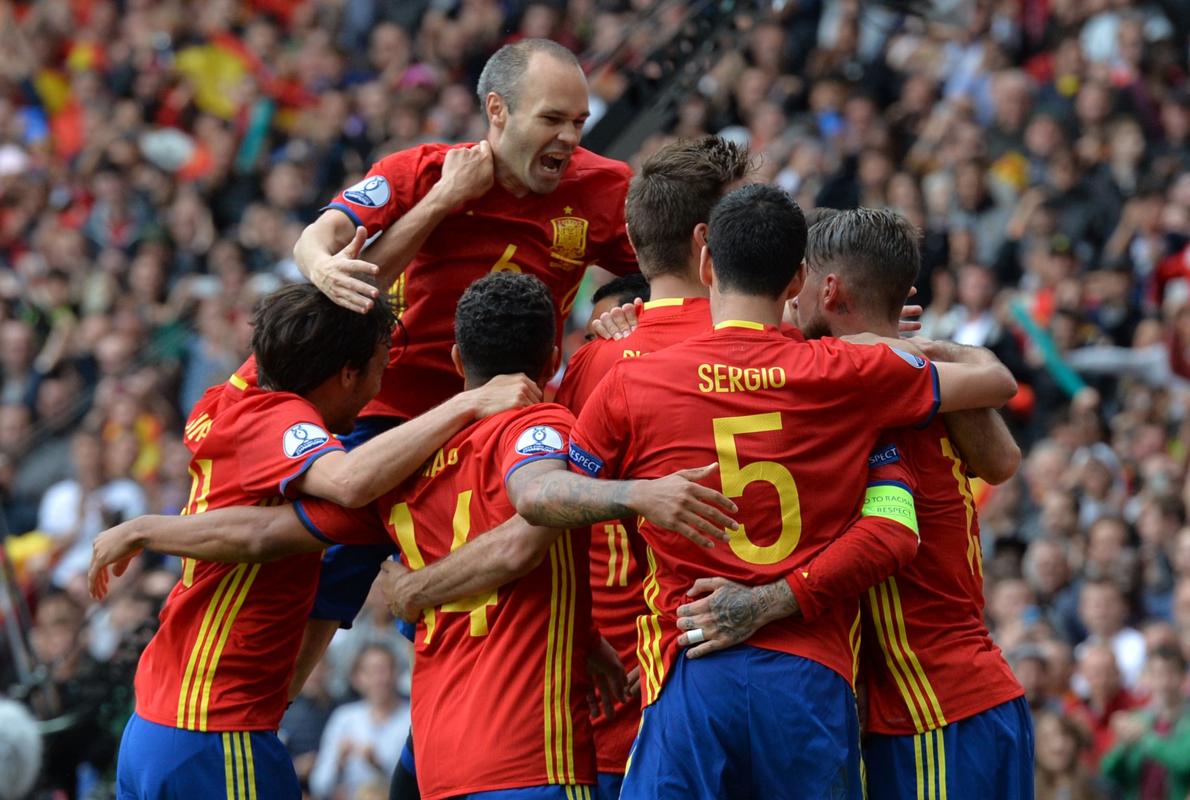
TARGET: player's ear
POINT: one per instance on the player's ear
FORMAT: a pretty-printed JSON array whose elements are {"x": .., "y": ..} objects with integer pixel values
[
  {"x": 496, "y": 110},
  {"x": 456, "y": 358},
  {"x": 698, "y": 238},
  {"x": 832, "y": 292},
  {"x": 705, "y": 267}
]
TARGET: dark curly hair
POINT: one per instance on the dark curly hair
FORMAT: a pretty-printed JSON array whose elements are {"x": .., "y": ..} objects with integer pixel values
[{"x": 505, "y": 323}]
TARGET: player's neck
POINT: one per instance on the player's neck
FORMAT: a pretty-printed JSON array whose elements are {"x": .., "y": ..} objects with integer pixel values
[
  {"x": 665, "y": 287},
  {"x": 852, "y": 324},
  {"x": 748, "y": 308},
  {"x": 508, "y": 180}
]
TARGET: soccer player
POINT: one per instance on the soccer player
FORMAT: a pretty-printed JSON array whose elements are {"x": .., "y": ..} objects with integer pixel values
[
  {"x": 791, "y": 425},
  {"x": 211, "y": 685},
  {"x": 527, "y": 637},
  {"x": 525, "y": 199},
  {"x": 946, "y": 716}
]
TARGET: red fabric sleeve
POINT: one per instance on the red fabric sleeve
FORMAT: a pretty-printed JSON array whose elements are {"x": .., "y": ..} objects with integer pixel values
[
  {"x": 394, "y": 184},
  {"x": 334, "y": 524},
  {"x": 539, "y": 434},
  {"x": 599, "y": 440},
  {"x": 278, "y": 441},
  {"x": 872, "y": 549},
  {"x": 897, "y": 388}
]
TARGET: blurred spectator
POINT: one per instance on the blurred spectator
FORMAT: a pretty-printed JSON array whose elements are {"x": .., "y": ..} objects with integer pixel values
[
  {"x": 363, "y": 740},
  {"x": 20, "y": 750},
  {"x": 1103, "y": 613},
  {"x": 1103, "y": 696},
  {"x": 1151, "y": 758},
  {"x": 305, "y": 720},
  {"x": 1061, "y": 774}
]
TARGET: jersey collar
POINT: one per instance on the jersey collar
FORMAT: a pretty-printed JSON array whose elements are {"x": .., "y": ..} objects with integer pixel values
[{"x": 740, "y": 323}]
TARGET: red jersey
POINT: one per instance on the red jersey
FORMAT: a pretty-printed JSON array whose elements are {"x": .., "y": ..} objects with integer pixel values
[
  {"x": 617, "y": 597},
  {"x": 224, "y": 654},
  {"x": 784, "y": 420},
  {"x": 929, "y": 659},
  {"x": 550, "y": 236},
  {"x": 499, "y": 681}
]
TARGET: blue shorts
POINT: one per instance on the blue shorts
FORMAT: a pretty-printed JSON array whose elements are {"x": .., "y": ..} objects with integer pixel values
[
  {"x": 349, "y": 570},
  {"x": 157, "y": 762},
  {"x": 549, "y": 792},
  {"x": 985, "y": 757},
  {"x": 746, "y": 722},
  {"x": 608, "y": 786}
]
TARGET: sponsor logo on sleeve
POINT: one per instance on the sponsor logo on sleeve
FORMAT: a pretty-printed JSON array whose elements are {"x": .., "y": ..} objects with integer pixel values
[
  {"x": 539, "y": 439},
  {"x": 916, "y": 362},
  {"x": 371, "y": 192},
  {"x": 302, "y": 438},
  {"x": 588, "y": 463},
  {"x": 884, "y": 454}
]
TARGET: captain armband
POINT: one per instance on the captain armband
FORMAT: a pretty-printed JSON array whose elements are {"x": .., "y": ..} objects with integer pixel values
[{"x": 891, "y": 500}]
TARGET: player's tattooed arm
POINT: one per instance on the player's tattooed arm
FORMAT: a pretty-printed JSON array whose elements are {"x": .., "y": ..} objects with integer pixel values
[
  {"x": 546, "y": 493},
  {"x": 728, "y": 613},
  {"x": 486, "y": 562}
]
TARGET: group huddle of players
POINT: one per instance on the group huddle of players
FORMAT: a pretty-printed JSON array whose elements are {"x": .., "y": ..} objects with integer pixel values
[{"x": 732, "y": 519}]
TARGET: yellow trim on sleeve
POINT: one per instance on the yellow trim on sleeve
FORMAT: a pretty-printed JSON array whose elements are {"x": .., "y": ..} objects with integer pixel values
[{"x": 238, "y": 382}]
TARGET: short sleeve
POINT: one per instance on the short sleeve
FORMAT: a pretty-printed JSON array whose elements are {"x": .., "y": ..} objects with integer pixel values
[
  {"x": 897, "y": 388},
  {"x": 887, "y": 464},
  {"x": 394, "y": 184},
  {"x": 278, "y": 442},
  {"x": 539, "y": 434},
  {"x": 598, "y": 441},
  {"x": 335, "y": 524}
]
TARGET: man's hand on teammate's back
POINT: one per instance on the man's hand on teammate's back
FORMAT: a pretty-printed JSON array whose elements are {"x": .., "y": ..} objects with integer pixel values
[
  {"x": 391, "y": 586},
  {"x": 609, "y": 684},
  {"x": 502, "y": 393},
  {"x": 467, "y": 173},
  {"x": 730, "y": 613},
  {"x": 680, "y": 504},
  {"x": 619, "y": 321}
]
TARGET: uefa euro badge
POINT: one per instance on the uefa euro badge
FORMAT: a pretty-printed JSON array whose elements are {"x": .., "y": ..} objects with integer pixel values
[
  {"x": 570, "y": 241},
  {"x": 371, "y": 192},
  {"x": 302, "y": 438},
  {"x": 539, "y": 440}
]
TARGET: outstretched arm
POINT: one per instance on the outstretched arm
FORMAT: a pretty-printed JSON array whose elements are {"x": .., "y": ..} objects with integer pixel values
[
  {"x": 546, "y": 493},
  {"x": 238, "y": 534},
  {"x": 981, "y": 436},
  {"x": 356, "y": 478},
  {"x": 486, "y": 562}
]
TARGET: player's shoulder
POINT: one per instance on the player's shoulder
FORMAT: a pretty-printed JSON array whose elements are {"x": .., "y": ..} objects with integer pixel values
[
  {"x": 588, "y": 164},
  {"x": 422, "y": 155}
]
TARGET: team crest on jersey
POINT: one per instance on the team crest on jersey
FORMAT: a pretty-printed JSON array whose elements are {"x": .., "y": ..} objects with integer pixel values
[
  {"x": 371, "y": 192},
  {"x": 539, "y": 439},
  {"x": 570, "y": 241},
  {"x": 302, "y": 438},
  {"x": 909, "y": 358}
]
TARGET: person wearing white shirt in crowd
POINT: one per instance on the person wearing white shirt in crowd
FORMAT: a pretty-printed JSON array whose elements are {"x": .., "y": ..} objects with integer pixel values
[{"x": 363, "y": 740}]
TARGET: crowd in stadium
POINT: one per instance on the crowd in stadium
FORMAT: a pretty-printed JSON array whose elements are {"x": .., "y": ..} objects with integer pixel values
[{"x": 159, "y": 161}]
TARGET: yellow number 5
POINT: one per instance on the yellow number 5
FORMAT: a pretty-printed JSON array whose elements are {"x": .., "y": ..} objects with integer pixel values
[{"x": 736, "y": 479}]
